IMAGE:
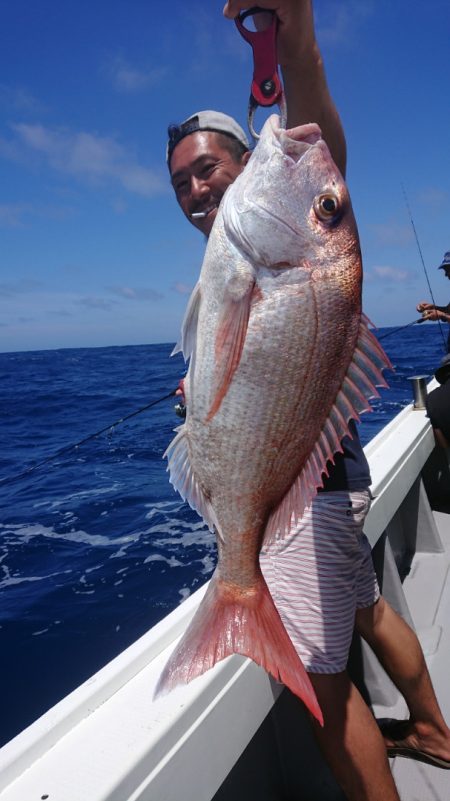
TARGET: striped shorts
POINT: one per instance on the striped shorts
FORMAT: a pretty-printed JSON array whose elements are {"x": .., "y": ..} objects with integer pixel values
[{"x": 320, "y": 575}]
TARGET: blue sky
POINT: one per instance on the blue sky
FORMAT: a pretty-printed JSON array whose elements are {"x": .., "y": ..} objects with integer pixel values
[{"x": 94, "y": 250}]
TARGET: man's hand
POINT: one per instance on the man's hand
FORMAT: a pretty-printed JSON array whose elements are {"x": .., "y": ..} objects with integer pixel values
[
  {"x": 180, "y": 408},
  {"x": 431, "y": 312},
  {"x": 305, "y": 86},
  {"x": 180, "y": 391},
  {"x": 296, "y": 25},
  {"x": 435, "y": 314},
  {"x": 424, "y": 306}
]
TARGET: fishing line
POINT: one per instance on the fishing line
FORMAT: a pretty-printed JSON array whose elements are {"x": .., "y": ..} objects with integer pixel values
[
  {"x": 69, "y": 448},
  {"x": 423, "y": 263},
  {"x": 395, "y": 330}
]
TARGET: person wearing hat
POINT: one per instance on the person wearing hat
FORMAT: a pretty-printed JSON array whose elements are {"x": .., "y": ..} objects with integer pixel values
[
  {"x": 205, "y": 154},
  {"x": 438, "y": 404},
  {"x": 433, "y": 312}
]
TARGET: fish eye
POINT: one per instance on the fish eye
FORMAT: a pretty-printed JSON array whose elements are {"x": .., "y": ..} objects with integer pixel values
[{"x": 326, "y": 207}]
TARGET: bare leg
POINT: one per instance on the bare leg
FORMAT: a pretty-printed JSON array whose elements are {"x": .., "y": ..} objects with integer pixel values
[
  {"x": 398, "y": 649},
  {"x": 351, "y": 741}
]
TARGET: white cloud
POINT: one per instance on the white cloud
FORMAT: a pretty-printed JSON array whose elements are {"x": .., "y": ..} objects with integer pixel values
[
  {"x": 390, "y": 274},
  {"x": 135, "y": 293},
  {"x": 338, "y": 23},
  {"x": 16, "y": 98},
  {"x": 23, "y": 286},
  {"x": 118, "y": 205},
  {"x": 11, "y": 215},
  {"x": 393, "y": 233},
  {"x": 92, "y": 302},
  {"x": 182, "y": 289},
  {"x": 433, "y": 197},
  {"x": 26, "y": 298},
  {"x": 10, "y": 149},
  {"x": 206, "y": 37},
  {"x": 88, "y": 157},
  {"x": 17, "y": 215},
  {"x": 130, "y": 79},
  {"x": 59, "y": 313}
]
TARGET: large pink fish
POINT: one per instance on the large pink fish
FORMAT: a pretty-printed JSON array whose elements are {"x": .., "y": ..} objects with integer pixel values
[{"x": 280, "y": 360}]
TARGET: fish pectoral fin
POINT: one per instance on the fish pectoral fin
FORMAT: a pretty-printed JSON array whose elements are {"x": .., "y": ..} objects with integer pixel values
[
  {"x": 231, "y": 621},
  {"x": 360, "y": 383},
  {"x": 189, "y": 325},
  {"x": 230, "y": 340},
  {"x": 183, "y": 479}
]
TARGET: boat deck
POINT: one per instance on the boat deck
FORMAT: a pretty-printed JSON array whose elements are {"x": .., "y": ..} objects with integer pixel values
[{"x": 429, "y": 578}]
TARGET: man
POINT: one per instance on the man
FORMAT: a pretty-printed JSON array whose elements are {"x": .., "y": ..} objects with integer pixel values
[
  {"x": 432, "y": 312},
  {"x": 205, "y": 155},
  {"x": 438, "y": 401},
  {"x": 438, "y": 404}
]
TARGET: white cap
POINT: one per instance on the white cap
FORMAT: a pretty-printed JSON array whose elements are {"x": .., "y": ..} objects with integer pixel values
[{"x": 205, "y": 121}]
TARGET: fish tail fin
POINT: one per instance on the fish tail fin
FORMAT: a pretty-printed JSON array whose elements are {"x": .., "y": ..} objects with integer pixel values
[{"x": 233, "y": 621}]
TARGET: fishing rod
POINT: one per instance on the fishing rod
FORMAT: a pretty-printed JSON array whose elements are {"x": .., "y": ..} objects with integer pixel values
[
  {"x": 423, "y": 262},
  {"x": 69, "y": 448},
  {"x": 401, "y": 328}
]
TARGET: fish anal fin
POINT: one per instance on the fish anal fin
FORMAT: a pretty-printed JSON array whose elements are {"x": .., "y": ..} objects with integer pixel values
[
  {"x": 230, "y": 341},
  {"x": 299, "y": 496},
  {"x": 229, "y": 621},
  {"x": 358, "y": 386}
]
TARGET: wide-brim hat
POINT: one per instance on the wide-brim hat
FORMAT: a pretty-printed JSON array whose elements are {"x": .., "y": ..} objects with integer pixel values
[
  {"x": 445, "y": 263},
  {"x": 442, "y": 374}
]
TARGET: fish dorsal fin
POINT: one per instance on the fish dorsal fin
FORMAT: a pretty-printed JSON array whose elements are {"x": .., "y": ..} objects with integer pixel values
[
  {"x": 363, "y": 376},
  {"x": 189, "y": 327},
  {"x": 183, "y": 479},
  {"x": 231, "y": 333}
]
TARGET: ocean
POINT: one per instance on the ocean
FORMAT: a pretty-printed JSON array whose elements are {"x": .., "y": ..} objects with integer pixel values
[{"x": 95, "y": 546}]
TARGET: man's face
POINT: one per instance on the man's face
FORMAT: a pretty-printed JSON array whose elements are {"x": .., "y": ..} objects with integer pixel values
[
  {"x": 447, "y": 272},
  {"x": 201, "y": 171}
]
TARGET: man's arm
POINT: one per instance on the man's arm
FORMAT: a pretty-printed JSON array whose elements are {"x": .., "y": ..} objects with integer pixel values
[{"x": 307, "y": 95}]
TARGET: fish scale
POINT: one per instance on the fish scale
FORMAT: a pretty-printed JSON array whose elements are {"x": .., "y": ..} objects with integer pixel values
[{"x": 281, "y": 359}]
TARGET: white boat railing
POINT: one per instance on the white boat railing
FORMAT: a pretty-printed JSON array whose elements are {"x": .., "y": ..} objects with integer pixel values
[{"x": 184, "y": 745}]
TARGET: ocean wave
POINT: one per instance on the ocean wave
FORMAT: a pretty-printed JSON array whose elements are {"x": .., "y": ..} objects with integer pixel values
[
  {"x": 26, "y": 532},
  {"x": 158, "y": 557},
  {"x": 10, "y": 581},
  {"x": 78, "y": 496}
]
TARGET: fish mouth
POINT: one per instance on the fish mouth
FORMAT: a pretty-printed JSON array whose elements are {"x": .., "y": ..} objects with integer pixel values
[{"x": 295, "y": 142}]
